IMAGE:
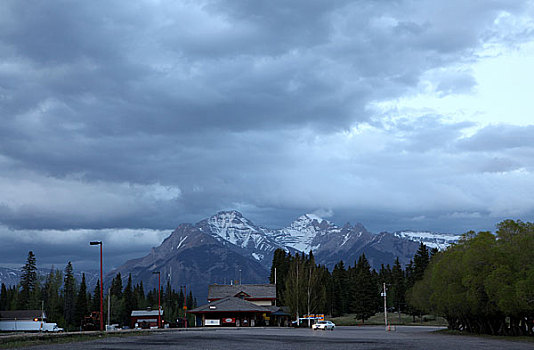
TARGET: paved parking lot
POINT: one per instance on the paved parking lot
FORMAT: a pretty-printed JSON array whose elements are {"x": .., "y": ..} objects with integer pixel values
[{"x": 288, "y": 338}]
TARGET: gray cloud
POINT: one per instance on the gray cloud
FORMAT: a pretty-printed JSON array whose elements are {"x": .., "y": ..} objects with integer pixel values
[{"x": 149, "y": 115}]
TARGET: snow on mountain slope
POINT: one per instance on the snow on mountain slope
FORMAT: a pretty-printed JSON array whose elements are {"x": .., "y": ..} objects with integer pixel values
[
  {"x": 430, "y": 239},
  {"x": 302, "y": 234},
  {"x": 232, "y": 227}
]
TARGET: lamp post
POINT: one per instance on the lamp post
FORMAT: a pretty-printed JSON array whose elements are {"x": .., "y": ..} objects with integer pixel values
[
  {"x": 385, "y": 306},
  {"x": 159, "y": 297},
  {"x": 101, "y": 285}
]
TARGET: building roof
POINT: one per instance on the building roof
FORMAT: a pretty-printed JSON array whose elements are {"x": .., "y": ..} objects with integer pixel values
[
  {"x": 230, "y": 304},
  {"x": 139, "y": 313},
  {"x": 249, "y": 291},
  {"x": 21, "y": 314}
]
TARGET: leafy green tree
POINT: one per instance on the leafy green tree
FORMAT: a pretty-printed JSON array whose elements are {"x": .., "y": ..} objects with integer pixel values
[{"x": 483, "y": 284}]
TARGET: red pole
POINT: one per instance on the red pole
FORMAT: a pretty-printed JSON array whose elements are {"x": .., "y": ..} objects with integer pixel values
[
  {"x": 101, "y": 292},
  {"x": 159, "y": 300},
  {"x": 185, "y": 305}
]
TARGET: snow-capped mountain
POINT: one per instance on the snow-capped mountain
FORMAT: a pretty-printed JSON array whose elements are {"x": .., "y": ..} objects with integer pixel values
[
  {"x": 227, "y": 246},
  {"x": 430, "y": 239},
  {"x": 304, "y": 233},
  {"x": 230, "y": 227}
]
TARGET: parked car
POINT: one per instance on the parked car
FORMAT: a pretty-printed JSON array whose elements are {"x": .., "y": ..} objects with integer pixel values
[{"x": 324, "y": 325}]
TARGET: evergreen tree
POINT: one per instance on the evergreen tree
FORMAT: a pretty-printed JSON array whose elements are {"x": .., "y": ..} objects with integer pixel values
[
  {"x": 128, "y": 301},
  {"x": 95, "y": 305},
  {"x": 81, "y": 308},
  {"x": 3, "y": 298},
  {"x": 340, "y": 291},
  {"x": 116, "y": 286},
  {"x": 364, "y": 291},
  {"x": 29, "y": 293},
  {"x": 53, "y": 302},
  {"x": 420, "y": 262},
  {"x": 398, "y": 287},
  {"x": 280, "y": 264},
  {"x": 69, "y": 295}
]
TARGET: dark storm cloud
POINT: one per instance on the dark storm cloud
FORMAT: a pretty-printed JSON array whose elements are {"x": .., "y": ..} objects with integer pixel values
[{"x": 149, "y": 114}]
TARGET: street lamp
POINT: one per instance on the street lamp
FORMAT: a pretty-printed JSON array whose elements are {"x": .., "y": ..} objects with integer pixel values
[
  {"x": 101, "y": 285},
  {"x": 159, "y": 297}
]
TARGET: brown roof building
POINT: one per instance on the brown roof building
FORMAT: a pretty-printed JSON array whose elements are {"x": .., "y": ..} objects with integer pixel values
[{"x": 241, "y": 305}]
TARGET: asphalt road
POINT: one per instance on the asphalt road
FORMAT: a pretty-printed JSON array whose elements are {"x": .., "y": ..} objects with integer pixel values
[{"x": 288, "y": 338}]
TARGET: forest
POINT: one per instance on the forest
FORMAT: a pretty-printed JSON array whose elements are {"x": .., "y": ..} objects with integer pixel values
[
  {"x": 483, "y": 284},
  {"x": 67, "y": 302},
  {"x": 308, "y": 288}
]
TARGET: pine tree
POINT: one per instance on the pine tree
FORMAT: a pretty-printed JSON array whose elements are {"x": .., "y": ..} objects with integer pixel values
[
  {"x": 81, "y": 308},
  {"x": 53, "y": 302},
  {"x": 398, "y": 286},
  {"x": 69, "y": 295},
  {"x": 95, "y": 305},
  {"x": 280, "y": 264},
  {"x": 340, "y": 291},
  {"x": 3, "y": 297},
  {"x": 420, "y": 261},
  {"x": 364, "y": 290},
  {"x": 116, "y": 286},
  {"x": 28, "y": 297},
  {"x": 128, "y": 301}
]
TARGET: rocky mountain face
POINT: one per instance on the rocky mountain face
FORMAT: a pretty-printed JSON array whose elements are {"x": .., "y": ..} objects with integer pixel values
[{"x": 228, "y": 247}]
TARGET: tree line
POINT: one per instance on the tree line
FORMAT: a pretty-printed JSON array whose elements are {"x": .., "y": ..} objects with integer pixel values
[
  {"x": 67, "y": 302},
  {"x": 483, "y": 284},
  {"x": 310, "y": 288}
]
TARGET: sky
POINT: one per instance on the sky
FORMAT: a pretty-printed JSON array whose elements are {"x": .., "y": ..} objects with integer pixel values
[{"x": 120, "y": 120}]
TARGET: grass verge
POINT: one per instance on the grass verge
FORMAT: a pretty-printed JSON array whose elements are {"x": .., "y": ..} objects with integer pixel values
[
  {"x": 488, "y": 336},
  {"x": 393, "y": 319},
  {"x": 49, "y": 339}
]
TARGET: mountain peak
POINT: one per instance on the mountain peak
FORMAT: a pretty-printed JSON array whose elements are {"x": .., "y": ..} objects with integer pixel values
[{"x": 228, "y": 213}]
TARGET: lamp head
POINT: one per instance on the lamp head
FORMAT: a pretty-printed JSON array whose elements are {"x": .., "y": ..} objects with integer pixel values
[{"x": 95, "y": 243}]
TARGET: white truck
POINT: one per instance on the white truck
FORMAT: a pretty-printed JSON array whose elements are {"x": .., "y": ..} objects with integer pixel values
[{"x": 29, "y": 326}]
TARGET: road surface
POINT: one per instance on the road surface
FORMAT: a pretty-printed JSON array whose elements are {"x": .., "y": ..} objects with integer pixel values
[{"x": 289, "y": 338}]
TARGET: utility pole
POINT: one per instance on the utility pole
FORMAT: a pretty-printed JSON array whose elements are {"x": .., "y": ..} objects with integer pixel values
[
  {"x": 42, "y": 315},
  {"x": 275, "y": 288},
  {"x": 101, "y": 285},
  {"x": 109, "y": 305},
  {"x": 385, "y": 306},
  {"x": 159, "y": 297},
  {"x": 298, "y": 316}
]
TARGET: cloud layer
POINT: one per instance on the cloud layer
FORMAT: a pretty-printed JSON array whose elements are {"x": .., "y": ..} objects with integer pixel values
[{"x": 144, "y": 116}]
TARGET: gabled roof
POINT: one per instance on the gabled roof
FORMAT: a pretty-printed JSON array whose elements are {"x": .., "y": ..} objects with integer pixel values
[
  {"x": 252, "y": 291},
  {"x": 230, "y": 304},
  {"x": 139, "y": 313},
  {"x": 21, "y": 314}
]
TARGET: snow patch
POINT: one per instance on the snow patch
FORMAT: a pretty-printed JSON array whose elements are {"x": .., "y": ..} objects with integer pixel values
[{"x": 182, "y": 240}]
